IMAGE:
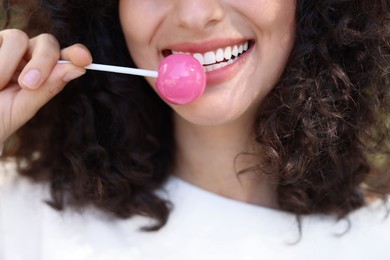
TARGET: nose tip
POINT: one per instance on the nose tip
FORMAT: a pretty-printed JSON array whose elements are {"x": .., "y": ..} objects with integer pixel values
[{"x": 198, "y": 14}]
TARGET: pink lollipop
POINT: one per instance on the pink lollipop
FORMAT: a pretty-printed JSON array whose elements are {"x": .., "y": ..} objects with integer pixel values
[{"x": 180, "y": 78}]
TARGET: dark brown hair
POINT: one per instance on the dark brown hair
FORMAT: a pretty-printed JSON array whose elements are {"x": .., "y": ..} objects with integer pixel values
[{"x": 107, "y": 139}]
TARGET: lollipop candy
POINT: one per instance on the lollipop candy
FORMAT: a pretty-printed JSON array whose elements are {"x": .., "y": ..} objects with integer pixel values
[{"x": 180, "y": 78}]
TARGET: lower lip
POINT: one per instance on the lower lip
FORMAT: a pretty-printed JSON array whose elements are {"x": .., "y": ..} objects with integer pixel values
[{"x": 221, "y": 75}]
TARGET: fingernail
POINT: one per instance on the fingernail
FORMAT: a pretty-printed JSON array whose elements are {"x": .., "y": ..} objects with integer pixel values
[
  {"x": 32, "y": 78},
  {"x": 71, "y": 75}
]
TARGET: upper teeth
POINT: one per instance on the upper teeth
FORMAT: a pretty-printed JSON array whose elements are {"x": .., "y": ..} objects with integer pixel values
[{"x": 220, "y": 54}]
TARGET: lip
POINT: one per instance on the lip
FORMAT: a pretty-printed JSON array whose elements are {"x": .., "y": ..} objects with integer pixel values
[{"x": 220, "y": 75}]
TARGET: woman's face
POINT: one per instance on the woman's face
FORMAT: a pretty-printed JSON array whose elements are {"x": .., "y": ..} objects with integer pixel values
[{"x": 210, "y": 30}]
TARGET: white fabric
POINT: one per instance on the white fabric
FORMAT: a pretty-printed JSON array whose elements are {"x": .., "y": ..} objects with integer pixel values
[{"x": 202, "y": 226}]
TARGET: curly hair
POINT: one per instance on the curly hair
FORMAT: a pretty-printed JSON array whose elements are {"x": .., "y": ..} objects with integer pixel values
[
  {"x": 331, "y": 107},
  {"x": 113, "y": 136}
]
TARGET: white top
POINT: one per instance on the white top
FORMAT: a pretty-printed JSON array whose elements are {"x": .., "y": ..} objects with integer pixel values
[{"x": 202, "y": 225}]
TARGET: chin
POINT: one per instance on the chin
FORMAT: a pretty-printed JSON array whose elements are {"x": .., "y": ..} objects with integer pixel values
[{"x": 205, "y": 114}]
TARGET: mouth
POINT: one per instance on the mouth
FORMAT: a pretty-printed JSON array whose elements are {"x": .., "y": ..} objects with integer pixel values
[{"x": 219, "y": 58}]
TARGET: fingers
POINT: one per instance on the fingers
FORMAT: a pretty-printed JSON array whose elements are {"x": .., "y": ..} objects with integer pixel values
[
  {"x": 30, "y": 74},
  {"x": 32, "y": 61},
  {"x": 44, "y": 75},
  {"x": 23, "y": 104},
  {"x": 78, "y": 54},
  {"x": 29, "y": 102},
  {"x": 14, "y": 44},
  {"x": 43, "y": 54}
]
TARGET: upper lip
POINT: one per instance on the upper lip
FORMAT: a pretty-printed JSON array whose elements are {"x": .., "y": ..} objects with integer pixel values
[{"x": 205, "y": 46}]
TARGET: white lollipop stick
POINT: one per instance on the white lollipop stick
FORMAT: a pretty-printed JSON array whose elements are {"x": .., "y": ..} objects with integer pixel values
[{"x": 117, "y": 69}]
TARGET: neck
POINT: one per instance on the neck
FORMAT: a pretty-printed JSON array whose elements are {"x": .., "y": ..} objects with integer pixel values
[{"x": 211, "y": 157}]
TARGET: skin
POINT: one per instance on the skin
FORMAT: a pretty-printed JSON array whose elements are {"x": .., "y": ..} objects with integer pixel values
[
  {"x": 21, "y": 95},
  {"x": 214, "y": 129}
]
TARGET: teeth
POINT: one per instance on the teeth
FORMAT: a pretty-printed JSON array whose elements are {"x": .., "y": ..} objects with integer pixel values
[
  {"x": 228, "y": 53},
  {"x": 199, "y": 57},
  {"x": 208, "y": 68},
  {"x": 220, "y": 55},
  {"x": 219, "y": 58},
  {"x": 246, "y": 46},
  {"x": 240, "y": 49},
  {"x": 209, "y": 58},
  {"x": 235, "y": 51}
]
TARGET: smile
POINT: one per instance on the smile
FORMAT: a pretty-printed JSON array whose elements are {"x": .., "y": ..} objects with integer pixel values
[{"x": 219, "y": 58}]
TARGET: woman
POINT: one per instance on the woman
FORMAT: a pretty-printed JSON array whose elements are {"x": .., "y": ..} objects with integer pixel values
[{"x": 282, "y": 131}]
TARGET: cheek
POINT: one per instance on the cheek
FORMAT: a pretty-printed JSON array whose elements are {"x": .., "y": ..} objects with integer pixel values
[
  {"x": 136, "y": 28},
  {"x": 268, "y": 15},
  {"x": 140, "y": 19},
  {"x": 131, "y": 21},
  {"x": 276, "y": 27}
]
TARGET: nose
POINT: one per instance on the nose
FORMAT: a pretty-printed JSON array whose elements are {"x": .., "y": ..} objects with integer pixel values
[{"x": 198, "y": 14}]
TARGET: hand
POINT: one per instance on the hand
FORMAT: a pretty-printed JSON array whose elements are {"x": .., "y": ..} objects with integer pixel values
[{"x": 30, "y": 75}]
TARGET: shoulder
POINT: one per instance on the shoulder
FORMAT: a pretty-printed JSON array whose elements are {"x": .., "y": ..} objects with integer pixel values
[
  {"x": 212, "y": 223},
  {"x": 19, "y": 191},
  {"x": 364, "y": 234},
  {"x": 68, "y": 234},
  {"x": 20, "y": 212}
]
